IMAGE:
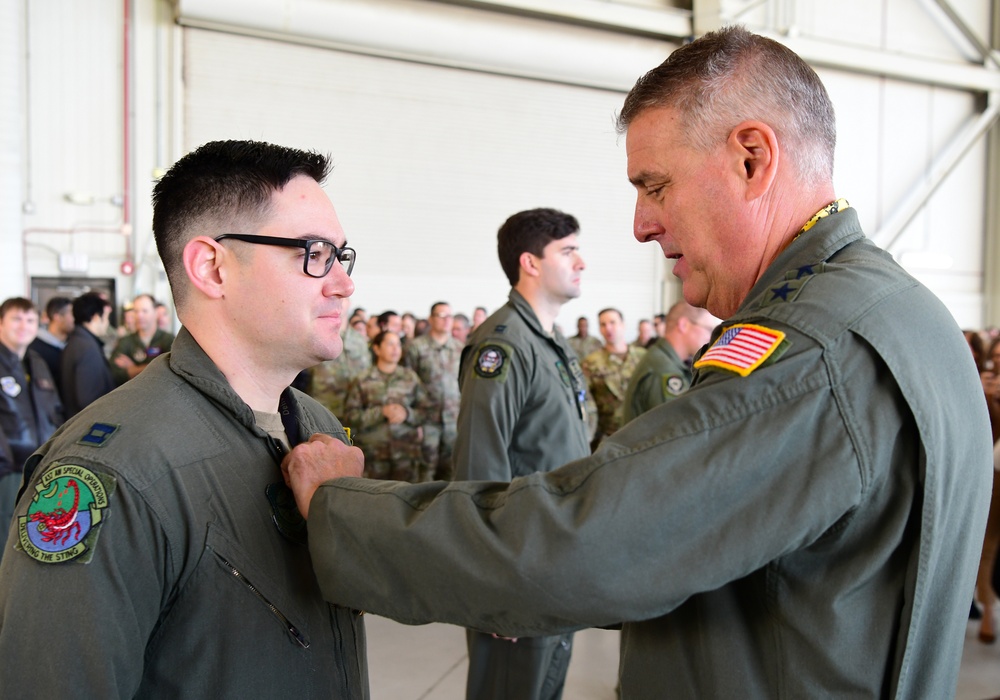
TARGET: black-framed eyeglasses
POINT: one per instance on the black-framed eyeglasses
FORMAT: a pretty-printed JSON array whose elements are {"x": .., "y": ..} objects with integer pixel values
[{"x": 319, "y": 254}]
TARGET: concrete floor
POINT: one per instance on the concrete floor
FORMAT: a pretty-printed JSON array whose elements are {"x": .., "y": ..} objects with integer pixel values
[{"x": 429, "y": 663}]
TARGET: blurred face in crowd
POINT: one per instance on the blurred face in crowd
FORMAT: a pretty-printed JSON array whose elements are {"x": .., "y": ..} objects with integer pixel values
[
  {"x": 162, "y": 317},
  {"x": 478, "y": 316},
  {"x": 612, "y": 327},
  {"x": 390, "y": 350},
  {"x": 645, "y": 332},
  {"x": 18, "y": 328},
  {"x": 408, "y": 326},
  {"x": 460, "y": 330},
  {"x": 441, "y": 320},
  {"x": 62, "y": 322},
  {"x": 145, "y": 315}
]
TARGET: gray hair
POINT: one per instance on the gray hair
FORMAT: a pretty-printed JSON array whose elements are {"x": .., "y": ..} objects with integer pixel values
[{"x": 732, "y": 75}]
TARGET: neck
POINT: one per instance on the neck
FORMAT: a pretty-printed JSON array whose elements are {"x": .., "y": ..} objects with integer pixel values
[
  {"x": 545, "y": 308},
  {"x": 440, "y": 338},
  {"x": 144, "y": 336},
  {"x": 59, "y": 334},
  {"x": 617, "y": 348},
  {"x": 256, "y": 375},
  {"x": 386, "y": 366},
  {"x": 678, "y": 345}
]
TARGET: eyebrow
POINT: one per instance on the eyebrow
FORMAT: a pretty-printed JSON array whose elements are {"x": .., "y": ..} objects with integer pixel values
[
  {"x": 640, "y": 179},
  {"x": 321, "y": 238}
]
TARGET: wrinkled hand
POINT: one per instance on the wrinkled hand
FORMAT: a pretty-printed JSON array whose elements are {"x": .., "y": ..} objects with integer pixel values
[
  {"x": 394, "y": 413},
  {"x": 321, "y": 459}
]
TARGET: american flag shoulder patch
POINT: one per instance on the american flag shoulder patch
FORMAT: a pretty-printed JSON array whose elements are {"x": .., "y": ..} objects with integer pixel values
[{"x": 741, "y": 348}]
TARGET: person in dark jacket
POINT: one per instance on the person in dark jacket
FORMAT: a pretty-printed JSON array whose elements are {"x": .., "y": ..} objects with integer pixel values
[
  {"x": 86, "y": 376},
  {"x": 30, "y": 410}
]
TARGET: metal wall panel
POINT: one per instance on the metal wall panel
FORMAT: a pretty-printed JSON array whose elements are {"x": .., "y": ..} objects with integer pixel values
[{"x": 430, "y": 161}]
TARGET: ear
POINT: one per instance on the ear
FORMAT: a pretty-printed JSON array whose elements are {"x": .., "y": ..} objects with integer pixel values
[
  {"x": 755, "y": 151},
  {"x": 529, "y": 265},
  {"x": 203, "y": 261}
]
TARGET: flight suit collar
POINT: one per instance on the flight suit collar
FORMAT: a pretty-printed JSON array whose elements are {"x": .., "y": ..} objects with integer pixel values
[
  {"x": 663, "y": 345},
  {"x": 817, "y": 245},
  {"x": 190, "y": 362},
  {"x": 524, "y": 310}
]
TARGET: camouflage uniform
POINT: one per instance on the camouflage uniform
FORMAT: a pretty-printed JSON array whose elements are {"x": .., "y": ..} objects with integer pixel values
[
  {"x": 391, "y": 451},
  {"x": 608, "y": 375},
  {"x": 584, "y": 346},
  {"x": 331, "y": 379},
  {"x": 437, "y": 366}
]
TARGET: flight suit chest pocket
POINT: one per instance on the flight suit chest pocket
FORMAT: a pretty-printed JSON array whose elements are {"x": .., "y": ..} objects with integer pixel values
[{"x": 259, "y": 590}]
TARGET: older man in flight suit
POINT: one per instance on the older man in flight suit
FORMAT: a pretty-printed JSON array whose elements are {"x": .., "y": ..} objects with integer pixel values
[{"x": 806, "y": 521}]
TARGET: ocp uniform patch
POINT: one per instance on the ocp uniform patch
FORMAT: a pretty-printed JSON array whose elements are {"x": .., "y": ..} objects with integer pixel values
[
  {"x": 493, "y": 360},
  {"x": 61, "y": 524}
]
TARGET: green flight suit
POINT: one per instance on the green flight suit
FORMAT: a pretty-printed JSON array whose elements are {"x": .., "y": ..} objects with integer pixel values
[
  {"x": 660, "y": 377},
  {"x": 132, "y": 346},
  {"x": 522, "y": 411},
  {"x": 191, "y": 576},
  {"x": 810, "y": 530}
]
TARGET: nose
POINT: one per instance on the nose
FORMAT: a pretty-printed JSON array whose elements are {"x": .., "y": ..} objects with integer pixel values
[
  {"x": 580, "y": 265},
  {"x": 337, "y": 283},
  {"x": 644, "y": 225}
]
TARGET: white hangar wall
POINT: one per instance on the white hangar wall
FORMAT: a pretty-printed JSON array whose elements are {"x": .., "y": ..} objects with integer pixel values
[{"x": 442, "y": 119}]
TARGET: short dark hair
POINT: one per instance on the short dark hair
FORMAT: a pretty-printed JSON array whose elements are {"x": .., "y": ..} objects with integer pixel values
[
  {"x": 88, "y": 305},
  {"x": 732, "y": 74},
  {"x": 222, "y": 187},
  {"x": 529, "y": 232},
  {"x": 16, "y": 304},
  {"x": 56, "y": 305},
  {"x": 383, "y": 318},
  {"x": 609, "y": 310},
  {"x": 437, "y": 304}
]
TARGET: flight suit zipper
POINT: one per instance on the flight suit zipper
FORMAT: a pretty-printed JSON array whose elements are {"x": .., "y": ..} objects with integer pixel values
[{"x": 292, "y": 629}]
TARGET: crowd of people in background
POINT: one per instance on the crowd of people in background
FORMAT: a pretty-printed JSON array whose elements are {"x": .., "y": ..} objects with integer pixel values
[
  {"x": 985, "y": 346},
  {"x": 56, "y": 362},
  {"x": 396, "y": 383}
]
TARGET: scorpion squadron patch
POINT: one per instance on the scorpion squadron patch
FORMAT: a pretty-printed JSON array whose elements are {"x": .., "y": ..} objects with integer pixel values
[{"x": 69, "y": 503}]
